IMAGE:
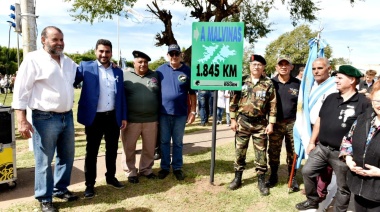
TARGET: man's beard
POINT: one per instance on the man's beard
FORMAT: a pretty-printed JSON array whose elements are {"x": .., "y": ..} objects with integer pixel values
[{"x": 54, "y": 50}]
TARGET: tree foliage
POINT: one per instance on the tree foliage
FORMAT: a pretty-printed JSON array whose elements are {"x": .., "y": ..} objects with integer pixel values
[
  {"x": 89, "y": 10},
  {"x": 86, "y": 56},
  {"x": 338, "y": 61},
  {"x": 254, "y": 14},
  {"x": 292, "y": 44},
  {"x": 155, "y": 64},
  {"x": 9, "y": 66}
]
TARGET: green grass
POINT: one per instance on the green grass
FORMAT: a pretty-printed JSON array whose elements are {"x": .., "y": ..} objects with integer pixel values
[
  {"x": 195, "y": 193},
  {"x": 25, "y": 158}
]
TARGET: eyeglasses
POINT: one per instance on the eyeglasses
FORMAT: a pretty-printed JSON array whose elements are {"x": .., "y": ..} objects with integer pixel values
[{"x": 174, "y": 53}]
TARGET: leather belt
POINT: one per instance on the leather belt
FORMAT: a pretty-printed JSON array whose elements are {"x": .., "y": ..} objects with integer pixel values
[
  {"x": 106, "y": 113},
  {"x": 252, "y": 119},
  {"x": 329, "y": 147}
]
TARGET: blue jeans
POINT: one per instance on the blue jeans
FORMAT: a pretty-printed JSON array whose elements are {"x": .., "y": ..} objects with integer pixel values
[
  {"x": 205, "y": 104},
  {"x": 53, "y": 133},
  {"x": 219, "y": 113},
  {"x": 172, "y": 128}
]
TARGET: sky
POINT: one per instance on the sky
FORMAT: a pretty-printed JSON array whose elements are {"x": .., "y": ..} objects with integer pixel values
[{"x": 353, "y": 32}]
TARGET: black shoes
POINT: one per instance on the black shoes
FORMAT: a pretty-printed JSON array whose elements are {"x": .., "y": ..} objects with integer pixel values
[
  {"x": 67, "y": 196},
  {"x": 47, "y": 207},
  {"x": 157, "y": 153},
  {"x": 133, "y": 179},
  {"x": 89, "y": 193},
  {"x": 162, "y": 174},
  {"x": 306, "y": 205},
  {"x": 151, "y": 176},
  {"x": 115, "y": 183},
  {"x": 179, "y": 174}
]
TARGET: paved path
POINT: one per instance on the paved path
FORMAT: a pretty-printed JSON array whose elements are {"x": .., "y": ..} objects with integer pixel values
[
  {"x": 24, "y": 191},
  {"x": 194, "y": 142}
]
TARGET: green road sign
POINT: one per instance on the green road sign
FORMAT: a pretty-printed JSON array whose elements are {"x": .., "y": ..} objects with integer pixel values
[{"x": 217, "y": 55}]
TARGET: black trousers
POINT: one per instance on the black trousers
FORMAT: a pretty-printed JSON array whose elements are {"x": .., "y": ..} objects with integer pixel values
[{"x": 104, "y": 125}]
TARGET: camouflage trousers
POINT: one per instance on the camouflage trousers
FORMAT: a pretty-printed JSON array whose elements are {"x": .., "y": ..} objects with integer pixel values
[
  {"x": 282, "y": 130},
  {"x": 246, "y": 129}
]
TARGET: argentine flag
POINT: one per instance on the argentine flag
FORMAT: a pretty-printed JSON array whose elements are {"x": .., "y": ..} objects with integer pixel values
[{"x": 302, "y": 127}]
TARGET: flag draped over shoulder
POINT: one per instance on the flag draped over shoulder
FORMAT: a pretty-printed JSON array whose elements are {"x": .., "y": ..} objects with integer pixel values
[{"x": 302, "y": 127}]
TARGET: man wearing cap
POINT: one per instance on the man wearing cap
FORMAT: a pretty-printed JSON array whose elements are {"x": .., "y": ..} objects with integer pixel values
[
  {"x": 102, "y": 110},
  {"x": 174, "y": 78},
  {"x": 248, "y": 111},
  {"x": 142, "y": 92},
  {"x": 337, "y": 114},
  {"x": 287, "y": 88}
]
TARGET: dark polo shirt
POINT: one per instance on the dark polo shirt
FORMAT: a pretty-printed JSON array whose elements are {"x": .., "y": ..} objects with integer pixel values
[
  {"x": 143, "y": 96},
  {"x": 287, "y": 97},
  {"x": 337, "y": 116}
]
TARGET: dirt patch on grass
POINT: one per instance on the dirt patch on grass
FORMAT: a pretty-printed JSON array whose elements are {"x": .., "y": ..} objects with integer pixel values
[{"x": 203, "y": 185}]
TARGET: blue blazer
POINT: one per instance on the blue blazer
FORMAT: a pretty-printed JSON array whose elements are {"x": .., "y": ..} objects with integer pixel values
[{"x": 88, "y": 73}]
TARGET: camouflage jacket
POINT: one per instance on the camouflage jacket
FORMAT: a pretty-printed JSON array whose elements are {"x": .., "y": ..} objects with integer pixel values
[{"x": 255, "y": 100}]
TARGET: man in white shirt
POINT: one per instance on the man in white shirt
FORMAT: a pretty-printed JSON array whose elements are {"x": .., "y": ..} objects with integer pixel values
[{"x": 45, "y": 84}]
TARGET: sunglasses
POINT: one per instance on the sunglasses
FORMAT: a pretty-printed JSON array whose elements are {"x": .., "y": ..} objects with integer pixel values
[{"x": 174, "y": 53}]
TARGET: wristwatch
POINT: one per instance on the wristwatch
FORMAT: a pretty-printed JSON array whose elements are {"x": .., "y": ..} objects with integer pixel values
[{"x": 193, "y": 112}]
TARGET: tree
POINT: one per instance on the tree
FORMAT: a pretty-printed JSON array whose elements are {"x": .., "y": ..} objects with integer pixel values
[
  {"x": 292, "y": 44},
  {"x": 155, "y": 64},
  {"x": 89, "y": 10},
  {"x": 86, "y": 56},
  {"x": 338, "y": 61},
  {"x": 253, "y": 13},
  {"x": 8, "y": 60}
]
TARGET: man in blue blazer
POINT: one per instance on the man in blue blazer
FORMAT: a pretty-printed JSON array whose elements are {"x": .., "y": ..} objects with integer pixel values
[{"x": 102, "y": 109}]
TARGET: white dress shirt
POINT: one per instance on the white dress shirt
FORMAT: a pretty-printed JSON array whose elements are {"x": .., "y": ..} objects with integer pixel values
[
  {"x": 107, "y": 85},
  {"x": 43, "y": 84}
]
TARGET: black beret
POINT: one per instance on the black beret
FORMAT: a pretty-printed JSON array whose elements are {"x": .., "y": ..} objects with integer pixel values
[
  {"x": 258, "y": 58},
  {"x": 137, "y": 54},
  {"x": 350, "y": 71}
]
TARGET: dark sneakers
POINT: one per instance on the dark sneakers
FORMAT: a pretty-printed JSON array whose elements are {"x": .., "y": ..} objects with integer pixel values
[
  {"x": 47, "y": 207},
  {"x": 89, "y": 193},
  {"x": 306, "y": 205},
  {"x": 179, "y": 174},
  {"x": 67, "y": 196},
  {"x": 162, "y": 174},
  {"x": 133, "y": 179},
  {"x": 114, "y": 183}
]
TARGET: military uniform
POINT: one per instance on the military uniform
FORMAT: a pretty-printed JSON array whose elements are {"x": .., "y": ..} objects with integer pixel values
[
  {"x": 250, "y": 107},
  {"x": 287, "y": 95}
]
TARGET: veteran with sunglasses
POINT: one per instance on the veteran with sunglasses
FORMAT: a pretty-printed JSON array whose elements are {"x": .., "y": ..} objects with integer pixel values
[{"x": 174, "y": 78}]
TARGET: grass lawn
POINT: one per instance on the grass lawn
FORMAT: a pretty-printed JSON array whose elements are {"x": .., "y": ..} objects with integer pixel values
[{"x": 195, "y": 193}]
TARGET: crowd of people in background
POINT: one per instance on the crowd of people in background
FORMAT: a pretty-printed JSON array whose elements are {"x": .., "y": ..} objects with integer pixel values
[
  {"x": 157, "y": 105},
  {"x": 7, "y": 82}
]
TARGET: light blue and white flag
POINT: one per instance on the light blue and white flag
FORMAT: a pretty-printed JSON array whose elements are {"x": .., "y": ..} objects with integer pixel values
[{"x": 302, "y": 127}]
